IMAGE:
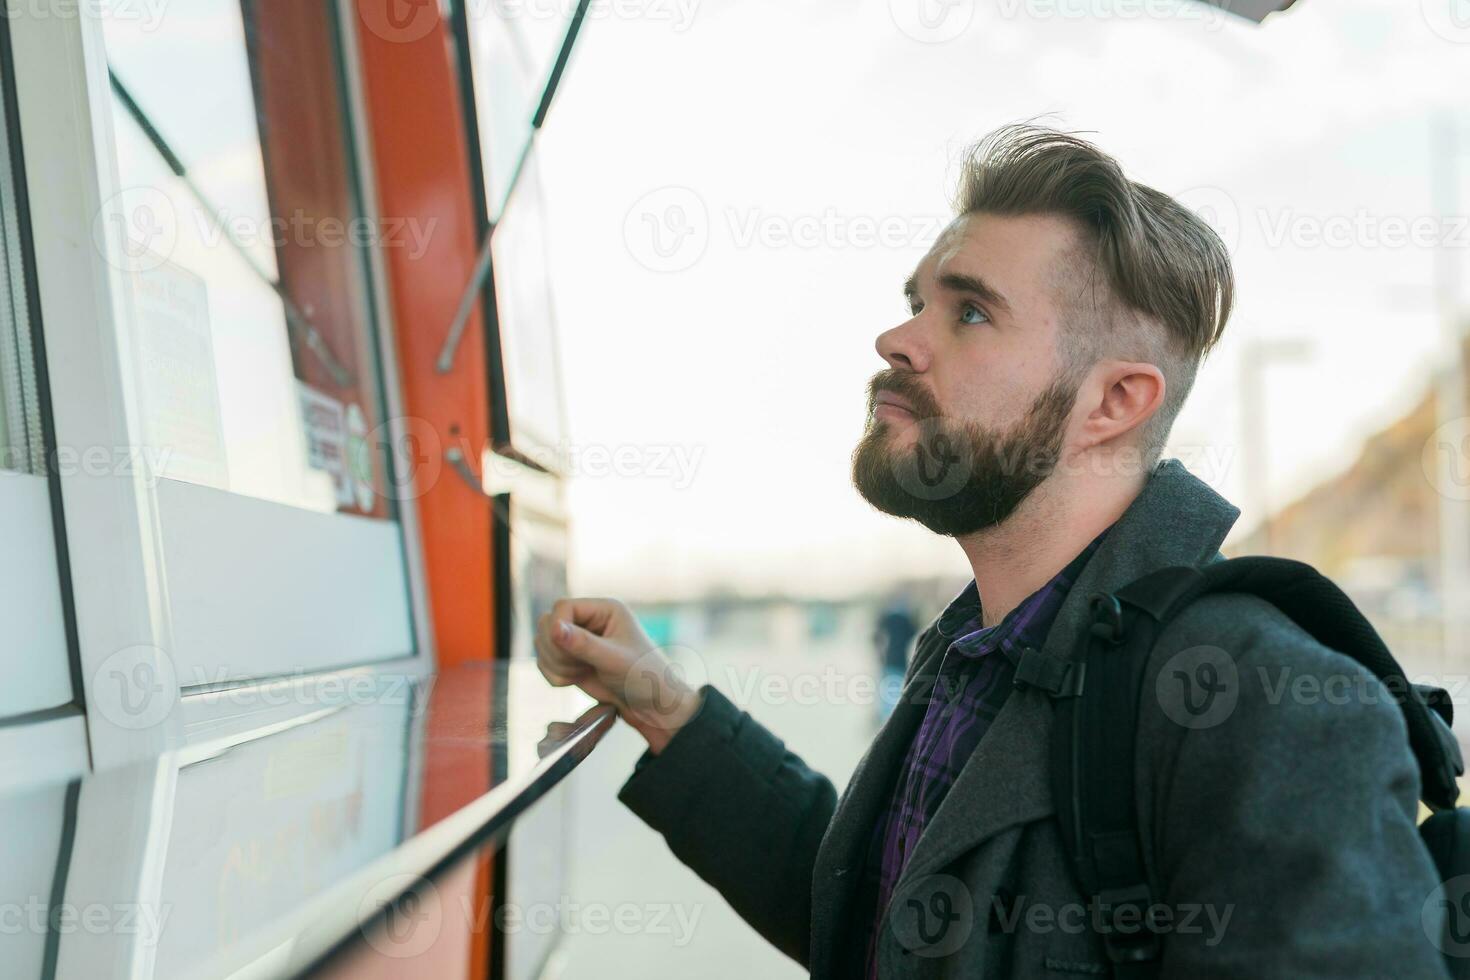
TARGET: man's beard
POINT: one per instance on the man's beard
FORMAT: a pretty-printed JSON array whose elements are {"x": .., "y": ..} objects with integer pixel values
[{"x": 958, "y": 477}]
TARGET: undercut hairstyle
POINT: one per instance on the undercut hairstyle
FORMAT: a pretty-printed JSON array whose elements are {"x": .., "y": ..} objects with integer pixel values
[{"x": 1148, "y": 279}]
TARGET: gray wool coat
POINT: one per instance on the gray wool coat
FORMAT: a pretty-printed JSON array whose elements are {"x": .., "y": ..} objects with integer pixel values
[{"x": 1280, "y": 836}]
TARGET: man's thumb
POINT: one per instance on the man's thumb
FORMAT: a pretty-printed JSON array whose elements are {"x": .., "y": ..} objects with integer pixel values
[{"x": 591, "y": 648}]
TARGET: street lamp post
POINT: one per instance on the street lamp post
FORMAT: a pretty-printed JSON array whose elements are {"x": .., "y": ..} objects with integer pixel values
[
  {"x": 1258, "y": 354},
  {"x": 1450, "y": 404}
]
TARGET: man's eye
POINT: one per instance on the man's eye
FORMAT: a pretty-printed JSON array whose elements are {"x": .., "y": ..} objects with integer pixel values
[
  {"x": 915, "y": 307},
  {"x": 970, "y": 313}
]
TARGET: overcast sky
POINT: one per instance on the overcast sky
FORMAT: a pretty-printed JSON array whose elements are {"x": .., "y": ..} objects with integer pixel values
[{"x": 737, "y": 190}]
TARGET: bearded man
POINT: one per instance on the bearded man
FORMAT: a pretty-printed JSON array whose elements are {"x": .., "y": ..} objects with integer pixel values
[{"x": 1054, "y": 331}]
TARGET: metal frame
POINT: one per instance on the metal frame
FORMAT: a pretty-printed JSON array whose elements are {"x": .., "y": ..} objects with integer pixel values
[{"x": 117, "y": 582}]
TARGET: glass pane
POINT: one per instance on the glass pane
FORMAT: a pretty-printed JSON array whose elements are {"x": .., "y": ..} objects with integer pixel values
[
  {"x": 527, "y": 323},
  {"x": 513, "y": 47},
  {"x": 34, "y": 657},
  {"x": 21, "y": 445},
  {"x": 243, "y": 243}
]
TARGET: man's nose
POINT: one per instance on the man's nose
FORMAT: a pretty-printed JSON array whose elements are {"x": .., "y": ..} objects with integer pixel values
[{"x": 903, "y": 347}]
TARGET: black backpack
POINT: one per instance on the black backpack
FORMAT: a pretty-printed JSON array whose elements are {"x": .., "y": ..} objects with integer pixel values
[{"x": 1096, "y": 698}]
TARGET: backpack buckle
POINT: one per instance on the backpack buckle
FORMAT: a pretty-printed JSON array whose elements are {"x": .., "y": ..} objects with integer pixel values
[
  {"x": 1056, "y": 676},
  {"x": 1135, "y": 940},
  {"x": 1107, "y": 617}
]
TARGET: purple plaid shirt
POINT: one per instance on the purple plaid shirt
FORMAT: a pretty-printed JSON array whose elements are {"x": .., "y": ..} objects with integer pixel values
[{"x": 969, "y": 689}]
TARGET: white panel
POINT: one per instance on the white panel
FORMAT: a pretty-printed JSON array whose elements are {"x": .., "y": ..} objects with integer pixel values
[
  {"x": 123, "y": 822},
  {"x": 33, "y": 658},
  {"x": 28, "y": 852},
  {"x": 238, "y": 855},
  {"x": 41, "y": 751},
  {"x": 259, "y": 589}
]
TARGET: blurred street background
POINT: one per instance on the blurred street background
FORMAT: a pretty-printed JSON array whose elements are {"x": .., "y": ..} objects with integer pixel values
[{"x": 704, "y": 937}]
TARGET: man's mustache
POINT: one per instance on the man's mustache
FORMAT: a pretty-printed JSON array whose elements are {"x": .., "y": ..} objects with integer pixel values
[{"x": 907, "y": 386}]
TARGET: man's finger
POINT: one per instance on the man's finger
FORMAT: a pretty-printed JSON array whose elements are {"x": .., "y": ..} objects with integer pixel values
[
  {"x": 586, "y": 646},
  {"x": 562, "y": 677},
  {"x": 591, "y": 614},
  {"x": 558, "y": 661}
]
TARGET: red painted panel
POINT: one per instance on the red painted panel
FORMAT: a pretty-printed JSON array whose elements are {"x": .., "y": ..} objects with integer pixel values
[
  {"x": 417, "y": 133},
  {"x": 418, "y": 137}
]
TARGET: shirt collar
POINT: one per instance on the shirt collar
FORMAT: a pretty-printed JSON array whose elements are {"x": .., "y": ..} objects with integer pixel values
[
  {"x": 1025, "y": 625},
  {"x": 964, "y": 608}
]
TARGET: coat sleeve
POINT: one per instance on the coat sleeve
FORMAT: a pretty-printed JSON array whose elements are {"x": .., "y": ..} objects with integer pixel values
[
  {"x": 1284, "y": 813},
  {"x": 743, "y": 812}
]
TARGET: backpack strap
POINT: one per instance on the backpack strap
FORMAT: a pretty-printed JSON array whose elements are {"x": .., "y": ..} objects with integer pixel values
[
  {"x": 1096, "y": 698},
  {"x": 1093, "y": 782}
]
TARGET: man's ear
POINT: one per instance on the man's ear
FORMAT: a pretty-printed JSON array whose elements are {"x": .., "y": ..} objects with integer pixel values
[{"x": 1127, "y": 394}]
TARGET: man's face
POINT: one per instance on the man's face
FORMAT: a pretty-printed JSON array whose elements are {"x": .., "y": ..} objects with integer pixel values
[{"x": 971, "y": 413}]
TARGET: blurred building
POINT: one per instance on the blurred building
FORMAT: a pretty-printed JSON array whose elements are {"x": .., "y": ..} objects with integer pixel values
[{"x": 1375, "y": 529}]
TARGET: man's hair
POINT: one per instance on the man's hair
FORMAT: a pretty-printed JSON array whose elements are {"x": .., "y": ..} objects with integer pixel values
[{"x": 1166, "y": 288}]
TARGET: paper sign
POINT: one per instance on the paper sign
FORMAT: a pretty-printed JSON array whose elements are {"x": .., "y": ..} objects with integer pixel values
[
  {"x": 325, "y": 422},
  {"x": 177, "y": 392}
]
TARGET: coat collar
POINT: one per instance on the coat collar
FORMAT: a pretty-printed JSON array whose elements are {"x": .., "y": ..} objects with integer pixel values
[{"x": 1175, "y": 520}]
